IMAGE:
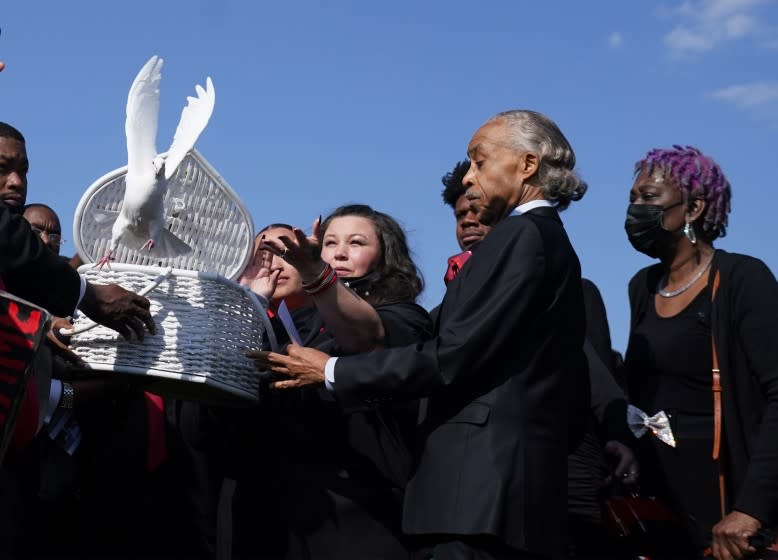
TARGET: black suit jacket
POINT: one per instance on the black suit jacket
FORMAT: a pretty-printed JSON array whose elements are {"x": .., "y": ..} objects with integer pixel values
[
  {"x": 31, "y": 270},
  {"x": 507, "y": 386}
]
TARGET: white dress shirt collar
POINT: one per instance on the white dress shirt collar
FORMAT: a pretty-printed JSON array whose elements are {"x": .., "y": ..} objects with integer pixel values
[{"x": 531, "y": 205}]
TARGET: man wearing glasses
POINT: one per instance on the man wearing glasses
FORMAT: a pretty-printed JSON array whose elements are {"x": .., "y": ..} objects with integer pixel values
[{"x": 45, "y": 223}]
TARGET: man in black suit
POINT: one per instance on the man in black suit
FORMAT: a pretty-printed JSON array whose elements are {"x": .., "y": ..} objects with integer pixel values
[
  {"x": 604, "y": 454},
  {"x": 31, "y": 270},
  {"x": 34, "y": 272},
  {"x": 505, "y": 375}
]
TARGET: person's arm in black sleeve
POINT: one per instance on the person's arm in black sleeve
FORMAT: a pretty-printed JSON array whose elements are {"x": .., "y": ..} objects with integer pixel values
[
  {"x": 756, "y": 309},
  {"x": 609, "y": 405},
  {"x": 404, "y": 324},
  {"x": 31, "y": 270},
  {"x": 474, "y": 333}
]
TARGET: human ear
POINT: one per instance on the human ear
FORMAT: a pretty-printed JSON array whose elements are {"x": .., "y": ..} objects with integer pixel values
[
  {"x": 529, "y": 163},
  {"x": 694, "y": 209}
]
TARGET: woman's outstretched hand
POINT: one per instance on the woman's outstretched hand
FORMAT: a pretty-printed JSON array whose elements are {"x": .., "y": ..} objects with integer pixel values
[{"x": 302, "y": 252}]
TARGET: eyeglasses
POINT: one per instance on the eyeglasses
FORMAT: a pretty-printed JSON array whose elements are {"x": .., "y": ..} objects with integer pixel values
[{"x": 54, "y": 238}]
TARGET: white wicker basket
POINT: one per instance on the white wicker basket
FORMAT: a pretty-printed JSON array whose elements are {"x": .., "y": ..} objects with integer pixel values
[
  {"x": 200, "y": 208},
  {"x": 205, "y": 324}
]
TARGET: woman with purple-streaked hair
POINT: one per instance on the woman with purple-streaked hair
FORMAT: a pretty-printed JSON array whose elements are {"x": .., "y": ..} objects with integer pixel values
[{"x": 698, "y": 301}]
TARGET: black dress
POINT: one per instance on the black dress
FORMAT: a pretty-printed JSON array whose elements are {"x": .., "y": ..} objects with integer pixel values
[
  {"x": 744, "y": 324},
  {"x": 669, "y": 368}
]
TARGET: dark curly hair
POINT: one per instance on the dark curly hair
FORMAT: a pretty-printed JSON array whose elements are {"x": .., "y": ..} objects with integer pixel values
[
  {"x": 452, "y": 183},
  {"x": 397, "y": 278}
]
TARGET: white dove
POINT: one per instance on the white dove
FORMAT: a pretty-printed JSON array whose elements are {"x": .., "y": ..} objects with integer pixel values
[{"x": 141, "y": 220}]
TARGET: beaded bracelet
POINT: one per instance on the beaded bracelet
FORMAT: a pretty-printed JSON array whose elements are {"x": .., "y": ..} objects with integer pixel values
[
  {"x": 325, "y": 281},
  {"x": 324, "y": 271}
]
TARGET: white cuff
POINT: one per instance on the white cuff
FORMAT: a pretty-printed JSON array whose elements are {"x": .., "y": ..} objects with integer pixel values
[
  {"x": 55, "y": 394},
  {"x": 329, "y": 374}
]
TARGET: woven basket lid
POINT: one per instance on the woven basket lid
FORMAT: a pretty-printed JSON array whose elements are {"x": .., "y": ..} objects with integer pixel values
[{"x": 200, "y": 208}]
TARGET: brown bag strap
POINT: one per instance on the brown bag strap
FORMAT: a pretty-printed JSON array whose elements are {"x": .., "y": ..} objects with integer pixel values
[{"x": 717, "y": 409}]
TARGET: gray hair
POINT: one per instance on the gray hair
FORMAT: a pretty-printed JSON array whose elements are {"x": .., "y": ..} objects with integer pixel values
[{"x": 530, "y": 131}]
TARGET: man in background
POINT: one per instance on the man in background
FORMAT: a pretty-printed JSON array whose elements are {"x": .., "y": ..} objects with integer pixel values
[{"x": 45, "y": 222}]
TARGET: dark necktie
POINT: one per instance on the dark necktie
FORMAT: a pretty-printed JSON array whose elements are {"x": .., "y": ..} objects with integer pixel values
[{"x": 455, "y": 265}]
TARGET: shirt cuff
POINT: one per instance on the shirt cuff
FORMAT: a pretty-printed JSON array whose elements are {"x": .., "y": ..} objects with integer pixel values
[
  {"x": 55, "y": 394},
  {"x": 329, "y": 374}
]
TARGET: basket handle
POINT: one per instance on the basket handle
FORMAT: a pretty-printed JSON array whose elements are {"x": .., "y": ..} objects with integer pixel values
[{"x": 148, "y": 288}]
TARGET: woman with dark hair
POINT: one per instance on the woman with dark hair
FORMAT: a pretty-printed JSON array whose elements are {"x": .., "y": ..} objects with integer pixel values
[
  {"x": 702, "y": 362},
  {"x": 355, "y": 261},
  {"x": 395, "y": 277},
  {"x": 332, "y": 477}
]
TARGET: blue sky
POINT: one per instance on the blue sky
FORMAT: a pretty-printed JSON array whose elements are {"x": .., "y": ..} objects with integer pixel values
[{"x": 324, "y": 103}]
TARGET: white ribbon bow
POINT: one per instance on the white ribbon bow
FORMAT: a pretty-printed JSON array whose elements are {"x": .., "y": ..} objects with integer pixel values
[{"x": 639, "y": 423}]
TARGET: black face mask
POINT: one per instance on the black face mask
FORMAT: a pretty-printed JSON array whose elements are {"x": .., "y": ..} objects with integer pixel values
[
  {"x": 645, "y": 231},
  {"x": 362, "y": 284}
]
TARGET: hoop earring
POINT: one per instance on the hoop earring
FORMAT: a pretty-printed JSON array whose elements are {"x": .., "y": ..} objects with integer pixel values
[{"x": 688, "y": 231}]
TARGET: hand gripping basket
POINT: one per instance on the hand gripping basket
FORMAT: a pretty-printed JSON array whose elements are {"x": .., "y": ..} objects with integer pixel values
[
  {"x": 205, "y": 320},
  {"x": 205, "y": 324}
]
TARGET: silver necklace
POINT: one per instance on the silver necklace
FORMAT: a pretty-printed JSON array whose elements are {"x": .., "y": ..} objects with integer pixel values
[{"x": 686, "y": 286}]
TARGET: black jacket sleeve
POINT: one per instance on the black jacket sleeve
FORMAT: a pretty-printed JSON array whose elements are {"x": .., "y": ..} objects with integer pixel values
[
  {"x": 31, "y": 270},
  {"x": 755, "y": 310},
  {"x": 609, "y": 405},
  {"x": 472, "y": 335}
]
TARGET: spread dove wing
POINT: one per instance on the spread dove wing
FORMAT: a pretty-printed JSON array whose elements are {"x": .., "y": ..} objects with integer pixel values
[{"x": 141, "y": 220}]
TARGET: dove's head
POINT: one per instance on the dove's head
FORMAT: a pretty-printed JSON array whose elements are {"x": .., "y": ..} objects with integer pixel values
[{"x": 13, "y": 168}]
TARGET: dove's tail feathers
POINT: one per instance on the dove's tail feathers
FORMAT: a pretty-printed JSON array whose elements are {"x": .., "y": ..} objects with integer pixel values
[
  {"x": 194, "y": 119},
  {"x": 168, "y": 245}
]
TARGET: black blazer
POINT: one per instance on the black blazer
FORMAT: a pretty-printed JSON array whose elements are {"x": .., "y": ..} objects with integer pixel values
[
  {"x": 507, "y": 386},
  {"x": 31, "y": 270}
]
